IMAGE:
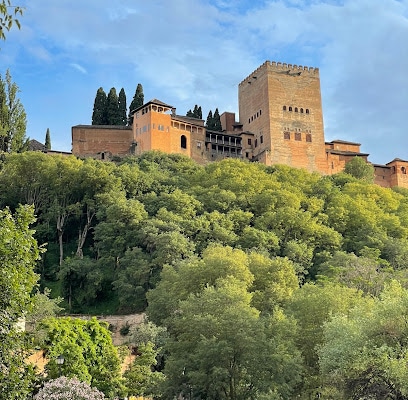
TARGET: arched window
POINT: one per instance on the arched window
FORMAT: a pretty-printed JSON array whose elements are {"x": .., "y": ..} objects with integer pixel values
[
  {"x": 403, "y": 170},
  {"x": 183, "y": 142},
  {"x": 290, "y": 108},
  {"x": 307, "y": 111},
  {"x": 296, "y": 109},
  {"x": 284, "y": 108},
  {"x": 301, "y": 110}
]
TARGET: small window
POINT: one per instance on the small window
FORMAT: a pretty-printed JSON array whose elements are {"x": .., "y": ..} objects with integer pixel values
[
  {"x": 301, "y": 110},
  {"x": 256, "y": 142},
  {"x": 246, "y": 154},
  {"x": 257, "y": 114},
  {"x": 261, "y": 139},
  {"x": 183, "y": 142},
  {"x": 286, "y": 135},
  {"x": 260, "y": 112},
  {"x": 249, "y": 120},
  {"x": 307, "y": 111},
  {"x": 198, "y": 145},
  {"x": 403, "y": 170},
  {"x": 308, "y": 137},
  {"x": 252, "y": 118},
  {"x": 296, "y": 109},
  {"x": 249, "y": 142},
  {"x": 290, "y": 108},
  {"x": 284, "y": 108},
  {"x": 102, "y": 156},
  {"x": 298, "y": 136}
]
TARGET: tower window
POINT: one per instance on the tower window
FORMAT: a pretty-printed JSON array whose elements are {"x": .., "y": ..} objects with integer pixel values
[
  {"x": 301, "y": 110},
  {"x": 261, "y": 139},
  {"x": 403, "y": 170},
  {"x": 249, "y": 142},
  {"x": 308, "y": 137},
  {"x": 290, "y": 108},
  {"x": 286, "y": 135},
  {"x": 256, "y": 142},
  {"x": 249, "y": 120},
  {"x": 307, "y": 111},
  {"x": 284, "y": 108},
  {"x": 298, "y": 136},
  {"x": 183, "y": 142},
  {"x": 296, "y": 109}
]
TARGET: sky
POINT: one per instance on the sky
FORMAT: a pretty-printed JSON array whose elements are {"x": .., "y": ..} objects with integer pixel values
[{"x": 187, "y": 52}]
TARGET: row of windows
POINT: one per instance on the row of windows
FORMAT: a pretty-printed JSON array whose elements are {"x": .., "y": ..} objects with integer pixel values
[
  {"x": 256, "y": 141},
  {"x": 297, "y": 136},
  {"x": 146, "y": 128},
  {"x": 255, "y": 116},
  {"x": 296, "y": 109}
]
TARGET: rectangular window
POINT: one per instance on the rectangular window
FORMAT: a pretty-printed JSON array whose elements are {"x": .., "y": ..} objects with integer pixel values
[
  {"x": 286, "y": 135},
  {"x": 256, "y": 142},
  {"x": 145, "y": 128},
  {"x": 298, "y": 136},
  {"x": 261, "y": 139},
  {"x": 246, "y": 154},
  {"x": 308, "y": 137},
  {"x": 199, "y": 145},
  {"x": 249, "y": 142}
]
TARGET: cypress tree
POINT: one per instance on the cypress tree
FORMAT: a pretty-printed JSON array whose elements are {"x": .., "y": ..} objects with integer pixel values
[
  {"x": 190, "y": 113},
  {"x": 122, "y": 107},
  {"x": 138, "y": 101},
  {"x": 47, "y": 140},
  {"x": 112, "y": 108},
  {"x": 217, "y": 121},
  {"x": 199, "y": 113},
  {"x": 99, "y": 110},
  {"x": 210, "y": 121}
]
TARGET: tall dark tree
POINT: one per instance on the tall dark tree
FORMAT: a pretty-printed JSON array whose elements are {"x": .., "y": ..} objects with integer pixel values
[
  {"x": 210, "y": 121},
  {"x": 217, "y": 121},
  {"x": 47, "y": 140},
  {"x": 138, "y": 101},
  {"x": 190, "y": 113},
  {"x": 122, "y": 107},
  {"x": 199, "y": 113},
  {"x": 196, "y": 113},
  {"x": 112, "y": 108},
  {"x": 12, "y": 117},
  {"x": 99, "y": 110}
]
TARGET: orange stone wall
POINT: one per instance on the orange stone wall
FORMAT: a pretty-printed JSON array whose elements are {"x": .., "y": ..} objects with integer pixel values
[
  {"x": 292, "y": 136},
  {"x": 92, "y": 140}
]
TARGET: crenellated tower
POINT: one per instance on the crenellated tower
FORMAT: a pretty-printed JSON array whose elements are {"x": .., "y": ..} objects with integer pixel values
[{"x": 281, "y": 105}]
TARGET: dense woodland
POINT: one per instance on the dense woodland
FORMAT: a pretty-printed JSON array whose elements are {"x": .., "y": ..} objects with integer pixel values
[{"x": 269, "y": 282}]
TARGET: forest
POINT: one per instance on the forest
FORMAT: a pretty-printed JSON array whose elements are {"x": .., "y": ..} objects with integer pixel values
[{"x": 258, "y": 282}]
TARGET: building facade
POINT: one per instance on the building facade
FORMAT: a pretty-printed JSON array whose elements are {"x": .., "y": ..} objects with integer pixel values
[{"x": 280, "y": 122}]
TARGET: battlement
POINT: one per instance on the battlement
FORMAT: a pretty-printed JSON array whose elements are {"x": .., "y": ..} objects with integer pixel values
[{"x": 279, "y": 67}]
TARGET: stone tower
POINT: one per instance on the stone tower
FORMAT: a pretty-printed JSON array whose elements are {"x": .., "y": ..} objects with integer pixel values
[{"x": 281, "y": 105}]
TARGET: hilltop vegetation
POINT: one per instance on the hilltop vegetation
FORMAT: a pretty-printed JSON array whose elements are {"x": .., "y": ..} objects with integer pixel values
[{"x": 260, "y": 275}]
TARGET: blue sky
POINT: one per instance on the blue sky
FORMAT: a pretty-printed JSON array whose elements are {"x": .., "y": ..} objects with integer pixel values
[{"x": 187, "y": 52}]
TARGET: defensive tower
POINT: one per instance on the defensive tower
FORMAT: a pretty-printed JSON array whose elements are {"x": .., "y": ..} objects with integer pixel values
[{"x": 281, "y": 105}]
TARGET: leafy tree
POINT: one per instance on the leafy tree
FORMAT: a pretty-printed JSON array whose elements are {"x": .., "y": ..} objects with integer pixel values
[
  {"x": 13, "y": 119},
  {"x": 141, "y": 379},
  {"x": 99, "y": 115},
  {"x": 89, "y": 353},
  {"x": 196, "y": 113},
  {"x": 47, "y": 140},
  {"x": 18, "y": 254},
  {"x": 64, "y": 388},
  {"x": 137, "y": 101},
  {"x": 360, "y": 169},
  {"x": 7, "y": 19},
  {"x": 364, "y": 353},
  {"x": 122, "y": 107},
  {"x": 112, "y": 108}
]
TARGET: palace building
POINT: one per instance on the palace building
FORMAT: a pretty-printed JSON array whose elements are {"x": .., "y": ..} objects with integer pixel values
[{"x": 280, "y": 122}]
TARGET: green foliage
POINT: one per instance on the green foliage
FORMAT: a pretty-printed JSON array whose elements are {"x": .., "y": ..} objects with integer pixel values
[
  {"x": 196, "y": 113},
  {"x": 18, "y": 254},
  {"x": 47, "y": 140},
  {"x": 88, "y": 351},
  {"x": 7, "y": 18},
  {"x": 112, "y": 109},
  {"x": 137, "y": 101},
  {"x": 360, "y": 169},
  {"x": 13, "y": 120},
  {"x": 99, "y": 115},
  {"x": 122, "y": 107}
]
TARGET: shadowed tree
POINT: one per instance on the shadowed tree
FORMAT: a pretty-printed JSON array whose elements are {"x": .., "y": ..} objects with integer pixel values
[
  {"x": 122, "y": 107},
  {"x": 47, "y": 140},
  {"x": 112, "y": 108},
  {"x": 99, "y": 110},
  {"x": 138, "y": 101}
]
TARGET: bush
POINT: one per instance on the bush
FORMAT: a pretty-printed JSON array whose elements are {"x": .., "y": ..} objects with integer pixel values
[{"x": 68, "y": 389}]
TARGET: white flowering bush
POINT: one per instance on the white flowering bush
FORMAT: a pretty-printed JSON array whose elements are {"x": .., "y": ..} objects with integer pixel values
[{"x": 68, "y": 389}]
